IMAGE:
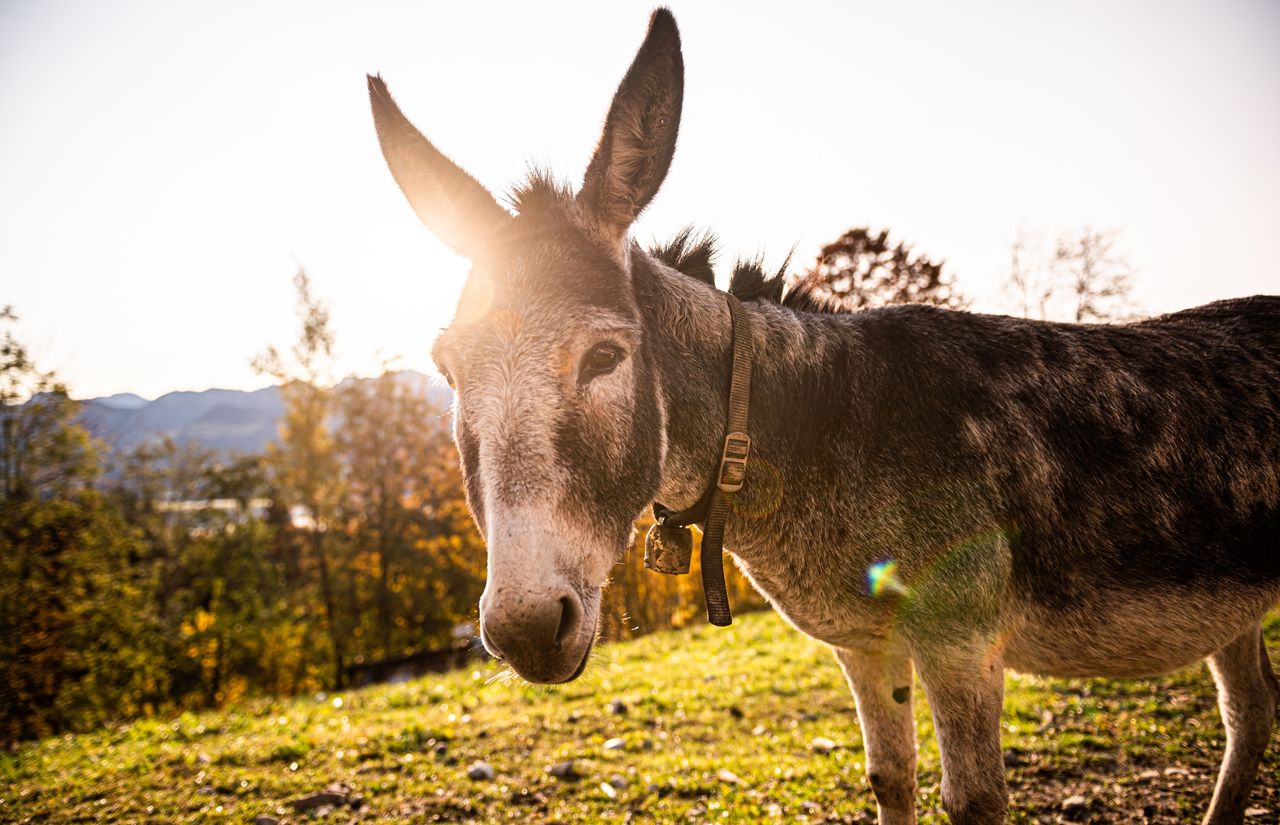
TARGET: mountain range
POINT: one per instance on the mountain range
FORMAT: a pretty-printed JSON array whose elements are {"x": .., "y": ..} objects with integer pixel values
[{"x": 226, "y": 421}]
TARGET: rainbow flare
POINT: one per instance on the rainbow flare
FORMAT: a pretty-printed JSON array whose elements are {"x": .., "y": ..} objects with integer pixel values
[{"x": 882, "y": 578}]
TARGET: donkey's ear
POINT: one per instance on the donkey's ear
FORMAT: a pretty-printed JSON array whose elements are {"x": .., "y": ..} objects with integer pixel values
[
  {"x": 640, "y": 133},
  {"x": 450, "y": 202}
]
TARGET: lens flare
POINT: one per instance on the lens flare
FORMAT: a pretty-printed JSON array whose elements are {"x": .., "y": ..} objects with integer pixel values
[{"x": 882, "y": 578}]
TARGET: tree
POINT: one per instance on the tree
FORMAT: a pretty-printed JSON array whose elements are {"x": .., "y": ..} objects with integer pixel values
[
  {"x": 863, "y": 269},
  {"x": 1083, "y": 280},
  {"x": 43, "y": 452},
  {"x": 404, "y": 510},
  {"x": 209, "y": 556},
  {"x": 1097, "y": 279},
  {"x": 304, "y": 460},
  {"x": 76, "y": 633}
]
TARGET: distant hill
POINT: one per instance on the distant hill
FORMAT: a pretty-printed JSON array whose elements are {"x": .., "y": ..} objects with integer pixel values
[
  {"x": 123, "y": 401},
  {"x": 223, "y": 420}
]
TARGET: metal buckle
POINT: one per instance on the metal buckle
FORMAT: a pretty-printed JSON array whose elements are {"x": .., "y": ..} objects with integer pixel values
[{"x": 733, "y": 462}]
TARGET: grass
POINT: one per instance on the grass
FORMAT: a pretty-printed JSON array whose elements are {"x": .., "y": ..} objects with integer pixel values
[{"x": 747, "y": 700}]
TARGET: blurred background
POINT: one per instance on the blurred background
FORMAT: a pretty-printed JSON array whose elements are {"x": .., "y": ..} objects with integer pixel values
[{"x": 225, "y": 455}]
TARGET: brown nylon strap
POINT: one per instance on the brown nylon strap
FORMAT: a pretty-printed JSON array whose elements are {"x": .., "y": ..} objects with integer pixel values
[
  {"x": 732, "y": 470},
  {"x": 740, "y": 383},
  {"x": 712, "y": 556}
]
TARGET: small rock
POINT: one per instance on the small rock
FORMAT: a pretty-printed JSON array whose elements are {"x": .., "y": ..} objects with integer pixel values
[
  {"x": 608, "y": 790},
  {"x": 1176, "y": 772},
  {"x": 617, "y": 706},
  {"x": 263, "y": 819},
  {"x": 441, "y": 751},
  {"x": 315, "y": 801},
  {"x": 617, "y": 743},
  {"x": 480, "y": 770},
  {"x": 1252, "y": 812},
  {"x": 1148, "y": 775},
  {"x": 808, "y": 717},
  {"x": 618, "y": 781},
  {"x": 563, "y": 770},
  {"x": 822, "y": 744},
  {"x": 759, "y": 730},
  {"x": 573, "y": 718},
  {"x": 206, "y": 791},
  {"x": 726, "y": 775},
  {"x": 322, "y": 811},
  {"x": 204, "y": 758},
  {"x": 653, "y": 787},
  {"x": 1074, "y": 807},
  {"x": 774, "y": 810}
]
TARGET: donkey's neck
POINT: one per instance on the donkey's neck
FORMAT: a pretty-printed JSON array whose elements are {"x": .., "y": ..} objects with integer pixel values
[
  {"x": 690, "y": 339},
  {"x": 798, "y": 359}
]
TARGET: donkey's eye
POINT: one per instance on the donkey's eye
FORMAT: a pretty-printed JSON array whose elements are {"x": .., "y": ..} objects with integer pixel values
[{"x": 601, "y": 359}]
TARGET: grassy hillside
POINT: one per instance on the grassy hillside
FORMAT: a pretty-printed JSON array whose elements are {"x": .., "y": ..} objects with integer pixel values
[{"x": 715, "y": 725}]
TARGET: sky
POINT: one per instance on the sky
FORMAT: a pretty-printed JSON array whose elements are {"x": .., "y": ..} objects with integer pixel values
[{"x": 165, "y": 167}]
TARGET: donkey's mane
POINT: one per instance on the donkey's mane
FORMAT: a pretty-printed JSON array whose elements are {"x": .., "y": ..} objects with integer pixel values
[{"x": 694, "y": 256}]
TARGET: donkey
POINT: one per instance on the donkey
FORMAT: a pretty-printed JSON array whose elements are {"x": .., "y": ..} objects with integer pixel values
[{"x": 1068, "y": 500}]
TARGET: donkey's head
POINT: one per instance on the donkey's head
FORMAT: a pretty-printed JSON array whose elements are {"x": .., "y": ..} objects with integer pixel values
[{"x": 557, "y": 415}]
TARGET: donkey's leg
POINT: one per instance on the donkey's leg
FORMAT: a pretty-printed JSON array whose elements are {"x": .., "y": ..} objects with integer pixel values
[
  {"x": 881, "y": 684},
  {"x": 1247, "y": 699},
  {"x": 965, "y": 686}
]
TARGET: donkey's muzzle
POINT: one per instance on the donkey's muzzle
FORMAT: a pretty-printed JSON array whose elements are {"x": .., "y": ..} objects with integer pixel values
[{"x": 538, "y": 634}]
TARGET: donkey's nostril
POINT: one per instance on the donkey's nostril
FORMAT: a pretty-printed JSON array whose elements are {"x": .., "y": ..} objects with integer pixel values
[{"x": 568, "y": 619}]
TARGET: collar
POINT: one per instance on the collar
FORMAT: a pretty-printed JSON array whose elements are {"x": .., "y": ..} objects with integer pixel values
[{"x": 669, "y": 542}]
